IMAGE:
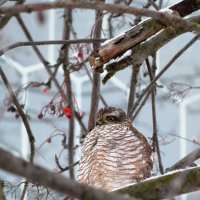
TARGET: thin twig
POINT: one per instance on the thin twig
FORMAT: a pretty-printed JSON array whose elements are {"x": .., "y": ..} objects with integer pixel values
[
  {"x": 38, "y": 53},
  {"x": 90, "y": 77},
  {"x": 140, "y": 105},
  {"x": 64, "y": 168},
  {"x": 45, "y": 63},
  {"x": 134, "y": 79},
  {"x": 26, "y": 124},
  {"x": 175, "y": 57},
  {"x": 82, "y": 125},
  {"x": 48, "y": 42},
  {"x": 96, "y": 76},
  {"x": 192, "y": 141},
  {"x": 187, "y": 161},
  {"x": 152, "y": 2},
  {"x": 156, "y": 146},
  {"x": 66, "y": 36},
  {"x": 21, "y": 113},
  {"x": 2, "y": 195}
]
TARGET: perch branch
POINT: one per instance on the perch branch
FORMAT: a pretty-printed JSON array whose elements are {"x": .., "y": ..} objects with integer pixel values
[
  {"x": 57, "y": 182},
  {"x": 165, "y": 186}
]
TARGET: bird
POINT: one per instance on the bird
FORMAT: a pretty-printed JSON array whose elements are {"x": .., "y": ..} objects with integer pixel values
[{"x": 114, "y": 153}]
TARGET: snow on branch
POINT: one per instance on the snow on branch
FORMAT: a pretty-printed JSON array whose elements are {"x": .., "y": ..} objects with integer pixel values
[
  {"x": 141, "y": 51},
  {"x": 165, "y": 186},
  {"x": 137, "y": 34}
]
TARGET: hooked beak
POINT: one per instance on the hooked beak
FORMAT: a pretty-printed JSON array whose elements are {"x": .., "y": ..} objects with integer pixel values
[{"x": 99, "y": 122}]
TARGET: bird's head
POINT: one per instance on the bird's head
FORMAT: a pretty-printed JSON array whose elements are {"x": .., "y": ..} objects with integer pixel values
[{"x": 110, "y": 115}]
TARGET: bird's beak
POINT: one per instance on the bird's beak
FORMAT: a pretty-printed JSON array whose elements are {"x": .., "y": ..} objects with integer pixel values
[{"x": 99, "y": 122}]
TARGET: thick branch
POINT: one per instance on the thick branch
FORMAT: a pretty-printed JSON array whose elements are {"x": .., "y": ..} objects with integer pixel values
[
  {"x": 134, "y": 36},
  {"x": 114, "y": 8},
  {"x": 36, "y": 174},
  {"x": 166, "y": 186},
  {"x": 142, "y": 51},
  {"x": 186, "y": 7},
  {"x": 6, "y": 18},
  {"x": 2, "y": 196}
]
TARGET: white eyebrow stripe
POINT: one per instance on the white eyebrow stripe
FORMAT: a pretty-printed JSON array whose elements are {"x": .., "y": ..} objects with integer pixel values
[{"x": 114, "y": 113}]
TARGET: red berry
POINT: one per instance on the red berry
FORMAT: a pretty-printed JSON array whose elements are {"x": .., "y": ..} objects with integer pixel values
[
  {"x": 80, "y": 55},
  {"x": 46, "y": 90},
  {"x": 66, "y": 110},
  {"x": 69, "y": 115}
]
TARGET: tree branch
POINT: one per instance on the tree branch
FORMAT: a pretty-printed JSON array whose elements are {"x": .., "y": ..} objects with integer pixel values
[
  {"x": 187, "y": 161},
  {"x": 6, "y": 18},
  {"x": 2, "y": 196},
  {"x": 142, "y": 51},
  {"x": 21, "y": 113},
  {"x": 36, "y": 174},
  {"x": 38, "y": 53},
  {"x": 165, "y": 186},
  {"x": 96, "y": 76},
  {"x": 139, "y": 104},
  {"x": 175, "y": 57},
  {"x": 156, "y": 146},
  {"x": 132, "y": 37},
  {"x": 117, "y": 8},
  {"x": 134, "y": 80},
  {"x": 66, "y": 36},
  {"x": 49, "y": 42}
]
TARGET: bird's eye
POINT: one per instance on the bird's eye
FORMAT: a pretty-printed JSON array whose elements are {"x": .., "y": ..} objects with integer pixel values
[{"x": 110, "y": 118}]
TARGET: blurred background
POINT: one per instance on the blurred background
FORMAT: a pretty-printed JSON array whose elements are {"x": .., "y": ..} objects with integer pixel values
[{"x": 177, "y": 98}]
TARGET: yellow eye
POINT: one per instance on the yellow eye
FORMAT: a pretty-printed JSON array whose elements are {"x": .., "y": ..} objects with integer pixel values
[{"x": 110, "y": 118}]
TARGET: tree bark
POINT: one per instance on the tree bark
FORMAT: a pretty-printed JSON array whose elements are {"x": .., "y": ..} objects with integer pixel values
[
  {"x": 139, "y": 33},
  {"x": 57, "y": 182},
  {"x": 165, "y": 186}
]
